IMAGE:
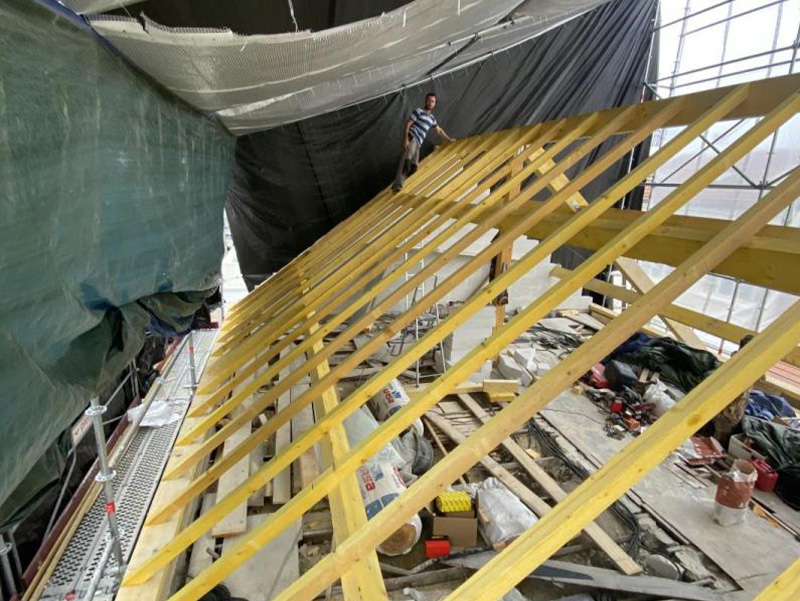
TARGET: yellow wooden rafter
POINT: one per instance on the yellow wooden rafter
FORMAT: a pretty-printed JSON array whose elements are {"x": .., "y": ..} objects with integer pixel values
[{"x": 473, "y": 181}]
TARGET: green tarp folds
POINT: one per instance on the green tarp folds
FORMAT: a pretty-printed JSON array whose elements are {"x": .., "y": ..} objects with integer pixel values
[{"x": 111, "y": 203}]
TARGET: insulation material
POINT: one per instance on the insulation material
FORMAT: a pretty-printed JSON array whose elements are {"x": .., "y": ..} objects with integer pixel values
[
  {"x": 381, "y": 484},
  {"x": 110, "y": 222},
  {"x": 259, "y": 81},
  {"x": 292, "y": 183}
]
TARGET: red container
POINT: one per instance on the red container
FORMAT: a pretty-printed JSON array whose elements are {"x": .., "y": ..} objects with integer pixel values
[
  {"x": 437, "y": 547},
  {"x": 597, "y": 376},
  {"x": 767, "y": 476}
]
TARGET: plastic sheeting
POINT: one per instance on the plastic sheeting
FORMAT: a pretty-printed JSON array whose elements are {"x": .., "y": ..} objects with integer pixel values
[
  {"x": 110, "y": 222},
  {"x": 291, "y": 184},
  {"x": 259, "y": 81}
]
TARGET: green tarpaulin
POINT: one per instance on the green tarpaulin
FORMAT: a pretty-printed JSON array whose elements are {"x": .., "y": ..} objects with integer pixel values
[{"x": 111, "y": 203}]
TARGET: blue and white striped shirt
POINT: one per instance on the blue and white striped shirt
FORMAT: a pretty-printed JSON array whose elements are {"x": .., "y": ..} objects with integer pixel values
[{"x": 423, "y": 121}]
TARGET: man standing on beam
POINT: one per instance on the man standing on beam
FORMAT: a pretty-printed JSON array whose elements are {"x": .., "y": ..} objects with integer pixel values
[{"x": 417, "y": 126}]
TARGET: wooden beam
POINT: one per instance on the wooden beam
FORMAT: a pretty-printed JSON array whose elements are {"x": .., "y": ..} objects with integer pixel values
[
  {"x": 364, "y": 581},
  {"x": 763, "y": 261},
  {"x": 631, "y": 464},
  {"x": 717, "y": 327},
  {"x": 785, "y": 587},
  {"x": 642, "y": 283},
  {"x": 575, "y": 364},
  {"x": 452, "y": 322},
  {"x": 622, "y": 560}
]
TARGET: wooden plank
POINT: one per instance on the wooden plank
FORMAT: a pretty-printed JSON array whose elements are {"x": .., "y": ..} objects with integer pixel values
[
  {"x": 236, "y": 521},
  {"x": 534, "y": 502},
  {"x": 305, "y": 468},
  {"x": 785, "y": 587},
  {"x": 154, "y": 537},
  {"x": 271, "y": 569},
  {"x": 364, "y": 582},
  {"x": 438, "y": 442},
  {"x": 256, "y": 463},
  {"x": 623, "y": 561},
  {"x": 282, "y": 483},
  {"x": 200, "y": 558},
  {"x": 592, "y": 577}
]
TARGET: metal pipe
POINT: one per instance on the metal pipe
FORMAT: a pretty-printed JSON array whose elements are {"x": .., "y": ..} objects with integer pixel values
[
  {"x": 63, "y": 490},
  {"x": 687, "y": 17},
  {"x": 118, "y": 388},
  {"x": 105, "y": 475},
  {"x": 736, "y": 16},
  {"x": 15, "y": 551},
  {"x": 5, "y": 564},
  {"x": 732, "y": 73},
  {"x": 192, "y": 369},
  {"x": 134, "y": 371},
  {"x": 98, "y": 572},
  {"x": 727, "y": 62}
]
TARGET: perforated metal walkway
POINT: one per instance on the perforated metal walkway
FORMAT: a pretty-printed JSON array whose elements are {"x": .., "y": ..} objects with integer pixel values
[{"x": 138, "y": 472}]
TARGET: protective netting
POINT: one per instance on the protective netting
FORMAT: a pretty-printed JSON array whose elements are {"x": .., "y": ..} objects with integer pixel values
[
  {"x": 254, "y": 82},
  {"x": 110, "y": 220}
]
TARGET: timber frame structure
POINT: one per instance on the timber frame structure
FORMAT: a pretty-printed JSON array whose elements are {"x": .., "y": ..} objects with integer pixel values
[{"x": 340, "y": 286}]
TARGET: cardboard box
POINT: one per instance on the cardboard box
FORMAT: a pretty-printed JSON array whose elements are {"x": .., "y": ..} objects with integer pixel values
[
  {"x": 737, "y": 449},
  {"x": 461, "y": 531}
]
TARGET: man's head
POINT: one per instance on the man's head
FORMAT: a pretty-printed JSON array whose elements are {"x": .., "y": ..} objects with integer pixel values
[{"x": 430, "y": 101}]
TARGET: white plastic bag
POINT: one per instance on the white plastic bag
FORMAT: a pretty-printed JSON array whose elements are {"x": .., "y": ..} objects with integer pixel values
[
  {"x": 508, "y": 517},
  {"x": 657, "y": 393}
]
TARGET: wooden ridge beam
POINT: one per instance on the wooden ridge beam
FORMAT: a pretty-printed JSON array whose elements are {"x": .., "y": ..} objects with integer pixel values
[{"x": 763, "y": 261}]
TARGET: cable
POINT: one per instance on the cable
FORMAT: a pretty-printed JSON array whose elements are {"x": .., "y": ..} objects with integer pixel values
[
  {"x": 620, "y": 510},
  {"x": 291, "y": 14}
]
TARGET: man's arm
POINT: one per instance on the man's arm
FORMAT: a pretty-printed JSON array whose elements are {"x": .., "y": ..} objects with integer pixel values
[
  {"x": 443, "y": 133},
  {"x": 406, "y": 129}
]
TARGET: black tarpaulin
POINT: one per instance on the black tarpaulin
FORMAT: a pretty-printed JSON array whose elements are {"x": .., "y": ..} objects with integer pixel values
[{"x": 293, "y": 183}]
